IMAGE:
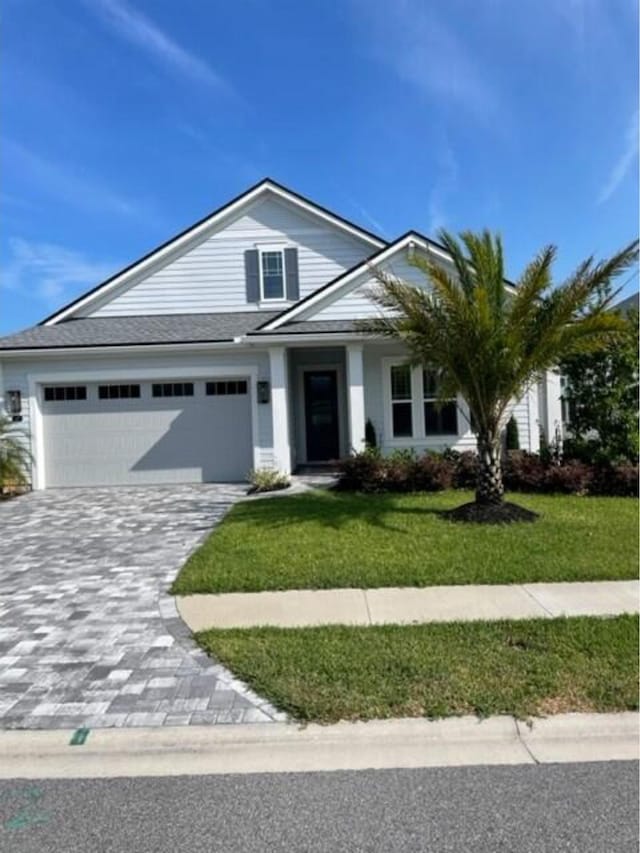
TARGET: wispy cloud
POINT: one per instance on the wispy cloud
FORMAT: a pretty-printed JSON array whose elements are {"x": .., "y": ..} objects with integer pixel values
[
  {"x": 67, "y": 184},
  {"x": 136, "y": 28},
  {"x": 367, "y": 216},
  {"x": 446, "y": 179},
  {"x": 47, "y": 272},
  {"x": 408, "y": 36},
  {"x": 623, "y": 165}
]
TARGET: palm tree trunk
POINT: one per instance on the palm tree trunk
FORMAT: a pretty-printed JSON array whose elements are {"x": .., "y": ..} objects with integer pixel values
[{"x": 489, "y": 488}]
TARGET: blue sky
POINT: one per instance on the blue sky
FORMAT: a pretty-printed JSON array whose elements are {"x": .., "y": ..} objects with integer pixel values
[{"x": 125, "y": 122}]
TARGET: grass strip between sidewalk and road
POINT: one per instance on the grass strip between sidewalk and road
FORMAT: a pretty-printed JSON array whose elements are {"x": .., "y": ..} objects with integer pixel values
[
  {"x": 324, "y": 540},
  {"x": 523, "y": 668}
]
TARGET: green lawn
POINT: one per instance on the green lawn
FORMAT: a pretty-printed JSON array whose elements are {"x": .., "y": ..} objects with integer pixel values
[
  {"x": 324, "y": 539},
  {"x": 522, "y": 668}
]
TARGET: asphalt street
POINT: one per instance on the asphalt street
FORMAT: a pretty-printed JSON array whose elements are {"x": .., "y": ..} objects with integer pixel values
[{"x": 586, "y": 808}]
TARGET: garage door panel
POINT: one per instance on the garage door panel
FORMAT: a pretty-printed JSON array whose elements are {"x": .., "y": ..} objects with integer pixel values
[{"x": 147, "y": 440}]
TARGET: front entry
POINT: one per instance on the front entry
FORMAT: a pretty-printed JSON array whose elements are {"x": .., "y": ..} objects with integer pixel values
[{"x": 322, "y": 430}]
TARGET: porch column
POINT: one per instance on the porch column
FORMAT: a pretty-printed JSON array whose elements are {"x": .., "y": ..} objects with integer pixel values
[
  {"x": 279, "y": 408},
  {"x": 355, "y": 395},
  {"x": 553, "y": 413}
]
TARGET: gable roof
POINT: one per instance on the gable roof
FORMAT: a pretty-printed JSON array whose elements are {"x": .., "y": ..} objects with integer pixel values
[
  {"x": 342, "y": 281},
  {"x": 267, "y": 185}
]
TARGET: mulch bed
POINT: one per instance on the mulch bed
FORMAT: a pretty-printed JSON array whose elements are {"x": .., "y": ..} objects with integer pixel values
[{"x": 502, "y": 513}]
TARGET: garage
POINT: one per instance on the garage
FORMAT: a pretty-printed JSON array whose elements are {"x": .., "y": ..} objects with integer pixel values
[{"x": 147, "y": 432}]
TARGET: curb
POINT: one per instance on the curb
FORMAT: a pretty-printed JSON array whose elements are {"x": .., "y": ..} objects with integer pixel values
[{"x": 288, "y": 748}]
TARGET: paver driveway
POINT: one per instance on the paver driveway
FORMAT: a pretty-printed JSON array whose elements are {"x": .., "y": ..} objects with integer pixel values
[{"x": 88, "y": 636}]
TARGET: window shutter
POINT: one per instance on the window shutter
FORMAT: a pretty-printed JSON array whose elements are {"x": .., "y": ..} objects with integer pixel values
[
  {"x": 252, "y": 275},
  {"x": 291, "y": 271}
]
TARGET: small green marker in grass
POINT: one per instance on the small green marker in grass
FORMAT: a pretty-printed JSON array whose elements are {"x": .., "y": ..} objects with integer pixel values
[{"x": 79, "y": 737}]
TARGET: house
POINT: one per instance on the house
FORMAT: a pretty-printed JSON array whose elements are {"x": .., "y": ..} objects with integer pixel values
[{"x": 233, "y": 346}]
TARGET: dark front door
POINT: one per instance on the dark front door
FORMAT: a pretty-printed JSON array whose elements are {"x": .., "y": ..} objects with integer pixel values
[{"x": 321, "y": 415}]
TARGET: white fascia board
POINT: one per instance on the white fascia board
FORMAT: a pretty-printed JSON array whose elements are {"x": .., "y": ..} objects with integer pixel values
[
  {"x": 303, "y": 338},
  {"x": 116, "y": 349},
  {"x": 346, "y": 279},
  {"x": 197, "y": 230}
]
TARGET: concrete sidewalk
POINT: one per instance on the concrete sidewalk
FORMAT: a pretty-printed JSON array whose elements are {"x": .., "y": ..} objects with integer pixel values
[
  {"x": 409, "y": 605},
  {"x": 285, "y": 747}
]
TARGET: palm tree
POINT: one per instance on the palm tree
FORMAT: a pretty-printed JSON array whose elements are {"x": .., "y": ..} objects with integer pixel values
[
  {"x": 15, "y": 457},
  {"x": 489, "y": 340}
]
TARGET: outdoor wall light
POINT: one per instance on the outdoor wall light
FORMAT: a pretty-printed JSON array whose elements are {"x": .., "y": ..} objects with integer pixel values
[
  {"x": 14, "y": 402},
  {"x": 263, "y": 392}
]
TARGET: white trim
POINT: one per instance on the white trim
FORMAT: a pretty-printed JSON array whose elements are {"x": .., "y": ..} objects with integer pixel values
[
  {"x": 409, "y": 241},
  {"x": 197, "y": 230},
  {"x": 263, "y": 250},
  {"x": 302, "y": 409},
  {"x": 37, "y": 380},
  {"x": 343, "y": 281},
  {"x": 280, "y": 408},
  {"x": 419, "y": 434},
  {"x": 126, "y": 349},
  {"x": 355, "y": 397}
]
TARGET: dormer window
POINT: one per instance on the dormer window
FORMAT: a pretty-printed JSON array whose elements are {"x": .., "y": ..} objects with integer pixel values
[{"x": 271, "y": 274}]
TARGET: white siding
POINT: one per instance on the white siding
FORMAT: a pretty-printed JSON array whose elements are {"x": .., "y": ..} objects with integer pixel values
[
  {"x": 353, "y": 303},
  {"x": 209, "y": 276}
]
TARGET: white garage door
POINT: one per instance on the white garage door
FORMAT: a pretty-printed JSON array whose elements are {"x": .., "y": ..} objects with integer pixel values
[{"x": 130, "y": 433}]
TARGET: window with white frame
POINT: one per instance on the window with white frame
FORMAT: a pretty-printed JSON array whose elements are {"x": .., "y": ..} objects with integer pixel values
[
  {"x": 401, "y": 401},
  {"x": 440, "y": 417},
  {"x": 272, "y": 274}
]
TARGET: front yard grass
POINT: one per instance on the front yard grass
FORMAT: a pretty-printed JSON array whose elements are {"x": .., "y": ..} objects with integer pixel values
[
  {"x": 524, "y": 668},
  {"x": 321, "y": 540}
]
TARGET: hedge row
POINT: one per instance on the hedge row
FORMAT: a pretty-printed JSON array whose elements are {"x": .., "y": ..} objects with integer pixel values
[{"x": 405, "y": 471}]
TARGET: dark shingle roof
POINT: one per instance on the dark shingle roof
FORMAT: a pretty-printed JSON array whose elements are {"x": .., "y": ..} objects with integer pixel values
[
  {"x": 122, "y": 331},
  {"x": 631, "y": 303},
  {"x": 303, "y": 327}
]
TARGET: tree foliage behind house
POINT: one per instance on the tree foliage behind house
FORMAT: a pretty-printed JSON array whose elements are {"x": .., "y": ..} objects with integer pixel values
[{"x": 602, "y": 399}]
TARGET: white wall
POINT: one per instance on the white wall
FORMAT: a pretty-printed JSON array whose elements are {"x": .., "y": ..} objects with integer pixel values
[
  {"x": 210, "y": 275},
  {"x": 354, "y": 302}
]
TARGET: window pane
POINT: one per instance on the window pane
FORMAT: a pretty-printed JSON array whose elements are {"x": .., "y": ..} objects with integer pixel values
[
  {"x": 272, "y": 275},
  {"x": 430, "y": 381},
  {"x": 430, "y": 419},
  {"x": 188, "y": 389},
  {"x": 449, "y": 418},
  {"x": 401, "y": 382},
  {"x": 402, "y": 423},
  {"x": 440, "y": 422}
]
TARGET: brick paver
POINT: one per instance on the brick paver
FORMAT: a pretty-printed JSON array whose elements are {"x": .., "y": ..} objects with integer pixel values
[{"x": 88, "y": 635}]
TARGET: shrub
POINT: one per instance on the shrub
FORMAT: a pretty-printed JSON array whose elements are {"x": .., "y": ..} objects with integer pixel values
[
  {"x": 616, "y": 480},
  {"x": 370, "y": 439},
  {"x": 15, "y": 457},
  {"x": 362, "y": 472},
  {"x": 570, "y": 478},
  {"x": 524, "y": 472},
  {"x": 512, "y": 438},
  {"x": 464, "y": 468},
  {"x": 405, "y": 471},
  {"x": 432, "y": 473},
  {"x": 401, "y": 471},
  {"x": 266, "y": 480}
]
